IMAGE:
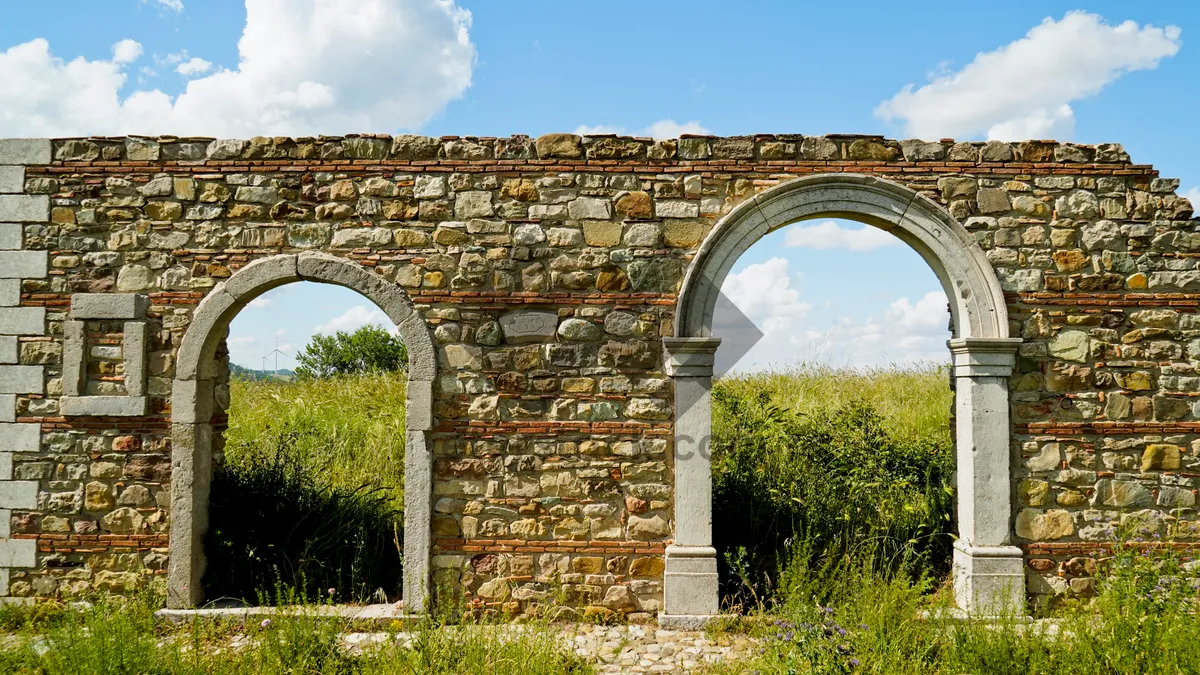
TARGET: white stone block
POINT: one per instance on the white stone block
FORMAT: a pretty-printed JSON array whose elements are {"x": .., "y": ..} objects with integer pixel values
[
  {"x": 24, "y": 264},
  {"x": 136, "y": 355},
  {"x": 10, "y": 292},
  {"x": 108, "y": 305},
  {"x": 10, "y": 236},
  {"x": 24, "y": 208},
  {"x": 12, "y": 179},
  {"x": 103, "y": 406},
  {"x": 25, "y": 150},
  {"x": 6, "y": 466},
  {"x": 8, "y": 407},
  {"x": 18, "y": 494},
  {"x": 20, "y": 437},
  {"x": 18, "y": 553},
  {"x": 22, "y": 379},
  {"x": 8, "y": 349},
  {"x": 5, "y": 526},
  {"x": 22, "y": 320}
]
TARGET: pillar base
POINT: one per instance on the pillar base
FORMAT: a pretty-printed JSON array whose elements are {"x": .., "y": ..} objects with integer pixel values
[
  {"x": 690, "y": 583},
  {"x": 989, "y": 580}
]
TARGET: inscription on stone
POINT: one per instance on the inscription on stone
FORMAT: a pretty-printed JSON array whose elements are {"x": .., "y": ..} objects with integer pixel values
[{"x": 528, "y": 325}]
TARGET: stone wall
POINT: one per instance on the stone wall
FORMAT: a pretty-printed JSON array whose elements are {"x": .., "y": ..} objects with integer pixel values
[{"x": 547, "y": 272}]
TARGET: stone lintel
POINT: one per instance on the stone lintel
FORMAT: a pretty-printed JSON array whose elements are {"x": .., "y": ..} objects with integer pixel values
[
  {"x": 108, "y": 305},
  {"x": 984, "y": 357},
  {"x": 103, "y": 406},
  {"x": 25, "y": 150},
  {"x": 690, "y": 356},
  {"x": 23, "y": 264}
]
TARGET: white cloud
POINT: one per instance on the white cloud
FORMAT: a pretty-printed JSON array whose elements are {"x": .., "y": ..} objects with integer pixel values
[
  {"x": 671, "y": 129},
  {"x": 1023, "y": 89},
  {"x": 241, "y": 341},
  {"x": 354, "y": 318},
  {"x": 829, "y": 234},
  {"x": 194, "y": 66},
  {"x": 661, "y": 129},
  {"x": 173, "y": 5},
  {"x": 261, "y": 302},
  {"x": 306, "y": 67},
  {"x": 126, "y": 51},
  {"x": 764, "y": 293},
  {"x": 1193, "y": 196}
]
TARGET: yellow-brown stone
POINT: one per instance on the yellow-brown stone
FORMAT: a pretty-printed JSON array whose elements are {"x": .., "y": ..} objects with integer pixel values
[{"x": 635, "y": 205}]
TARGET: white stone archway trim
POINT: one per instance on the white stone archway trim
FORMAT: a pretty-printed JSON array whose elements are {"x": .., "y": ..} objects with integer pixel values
[
  {"x": 191, "y": 411},
  {"x": 988, "y": 570}
]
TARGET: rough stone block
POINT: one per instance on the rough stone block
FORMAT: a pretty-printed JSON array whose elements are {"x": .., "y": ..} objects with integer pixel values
[
  {"x": 103, "y": 406},
  {"x": 17, "y": 494},
  {"x": 24, "y": 264},
  {"x": 18, "y": 552},
  {"x": 12, "y": 179},
  {"x": 22, "y": 320},
  {"x": 10, "y": 236},
  {"x": 24, "y": 150},
  {"x": 22, "y": 379},
  {"x": 20, "y": 437},
  {"x": 108, "y": 305},
  {"x": 24, "y": 208},
  {"x": 8, "y": 349}
]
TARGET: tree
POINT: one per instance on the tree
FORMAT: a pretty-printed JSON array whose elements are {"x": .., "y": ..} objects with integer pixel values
[{"x": 369, "y": 349}]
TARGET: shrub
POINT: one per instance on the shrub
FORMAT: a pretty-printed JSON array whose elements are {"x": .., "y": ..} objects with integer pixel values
[{"x": 369, "y": 349}]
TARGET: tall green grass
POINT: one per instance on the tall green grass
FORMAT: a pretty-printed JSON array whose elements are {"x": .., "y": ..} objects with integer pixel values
[
  {"x": 813, "y": 467},
  {"x": 310, "y": 492}
]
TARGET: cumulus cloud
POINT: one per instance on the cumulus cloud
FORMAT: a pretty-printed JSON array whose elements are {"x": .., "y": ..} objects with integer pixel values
[
  {"x": 126, "y": 51},
  {"x": 667, "y": 128},
  {"x": 829, "y": 234},
  {"x": 1024, "y": 89},
  {"x": 905, "y": 332},
  {"x": 261, "y": 302},
  {"x": 354, "y": 318},
  {"x": 194, "y": 66},
  {"x": 305, "y": 67}
]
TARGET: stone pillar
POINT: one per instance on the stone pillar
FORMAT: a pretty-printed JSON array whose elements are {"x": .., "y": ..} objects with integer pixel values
[
  {"x": 690, "y": 580},
  {"x": 989, "y": 576},
  {"x": 16, "y": 264}
]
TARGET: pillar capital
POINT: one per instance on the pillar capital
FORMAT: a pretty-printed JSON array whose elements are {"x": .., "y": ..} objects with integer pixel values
[
  {"x": 690, "y": 357},
  {"x": 984, "y": 357}
]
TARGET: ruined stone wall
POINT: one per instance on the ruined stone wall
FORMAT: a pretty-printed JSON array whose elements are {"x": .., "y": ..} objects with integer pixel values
[{"x": 547, "y": 272}]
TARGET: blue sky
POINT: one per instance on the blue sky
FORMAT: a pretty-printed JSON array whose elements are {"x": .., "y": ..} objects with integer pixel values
[{"x": 976, "y": 70}]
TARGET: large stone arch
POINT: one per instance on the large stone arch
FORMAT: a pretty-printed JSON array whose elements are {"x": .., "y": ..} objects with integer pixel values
[
  {"x": 192, "y": 408},
  {"x": 988, "y": 568}
]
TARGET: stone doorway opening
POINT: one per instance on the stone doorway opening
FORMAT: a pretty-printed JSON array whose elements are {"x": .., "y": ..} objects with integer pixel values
[
  {"x": 987, "y": 568},
  {"x": 199, "y": 403}
]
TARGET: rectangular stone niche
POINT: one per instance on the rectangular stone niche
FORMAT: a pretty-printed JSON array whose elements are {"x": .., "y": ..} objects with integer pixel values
[{"x": 127, "y": 307}]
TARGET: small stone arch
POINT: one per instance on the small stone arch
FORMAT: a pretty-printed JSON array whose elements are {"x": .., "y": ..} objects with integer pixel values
[
  {"x": 192, "y": 408},
  {"x": 988, "y": 569}
]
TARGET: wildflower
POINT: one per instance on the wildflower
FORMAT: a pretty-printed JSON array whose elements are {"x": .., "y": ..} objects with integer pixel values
[
  {"x": 841, "y": 631},
  {"x": 265, "y": 623},
  {"x": 853, "y": 663},
  {"x": 863, "y": 626},
  {"x": 332, "y": 591}
]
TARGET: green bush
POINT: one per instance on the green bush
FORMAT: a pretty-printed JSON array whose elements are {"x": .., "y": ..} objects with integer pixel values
[
  {"x": 809, "y": 486},
  {"x": 369, "y": 349}
]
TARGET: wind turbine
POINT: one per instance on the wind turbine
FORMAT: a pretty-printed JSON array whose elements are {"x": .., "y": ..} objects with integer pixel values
[{"x": 276, "y": 352}]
